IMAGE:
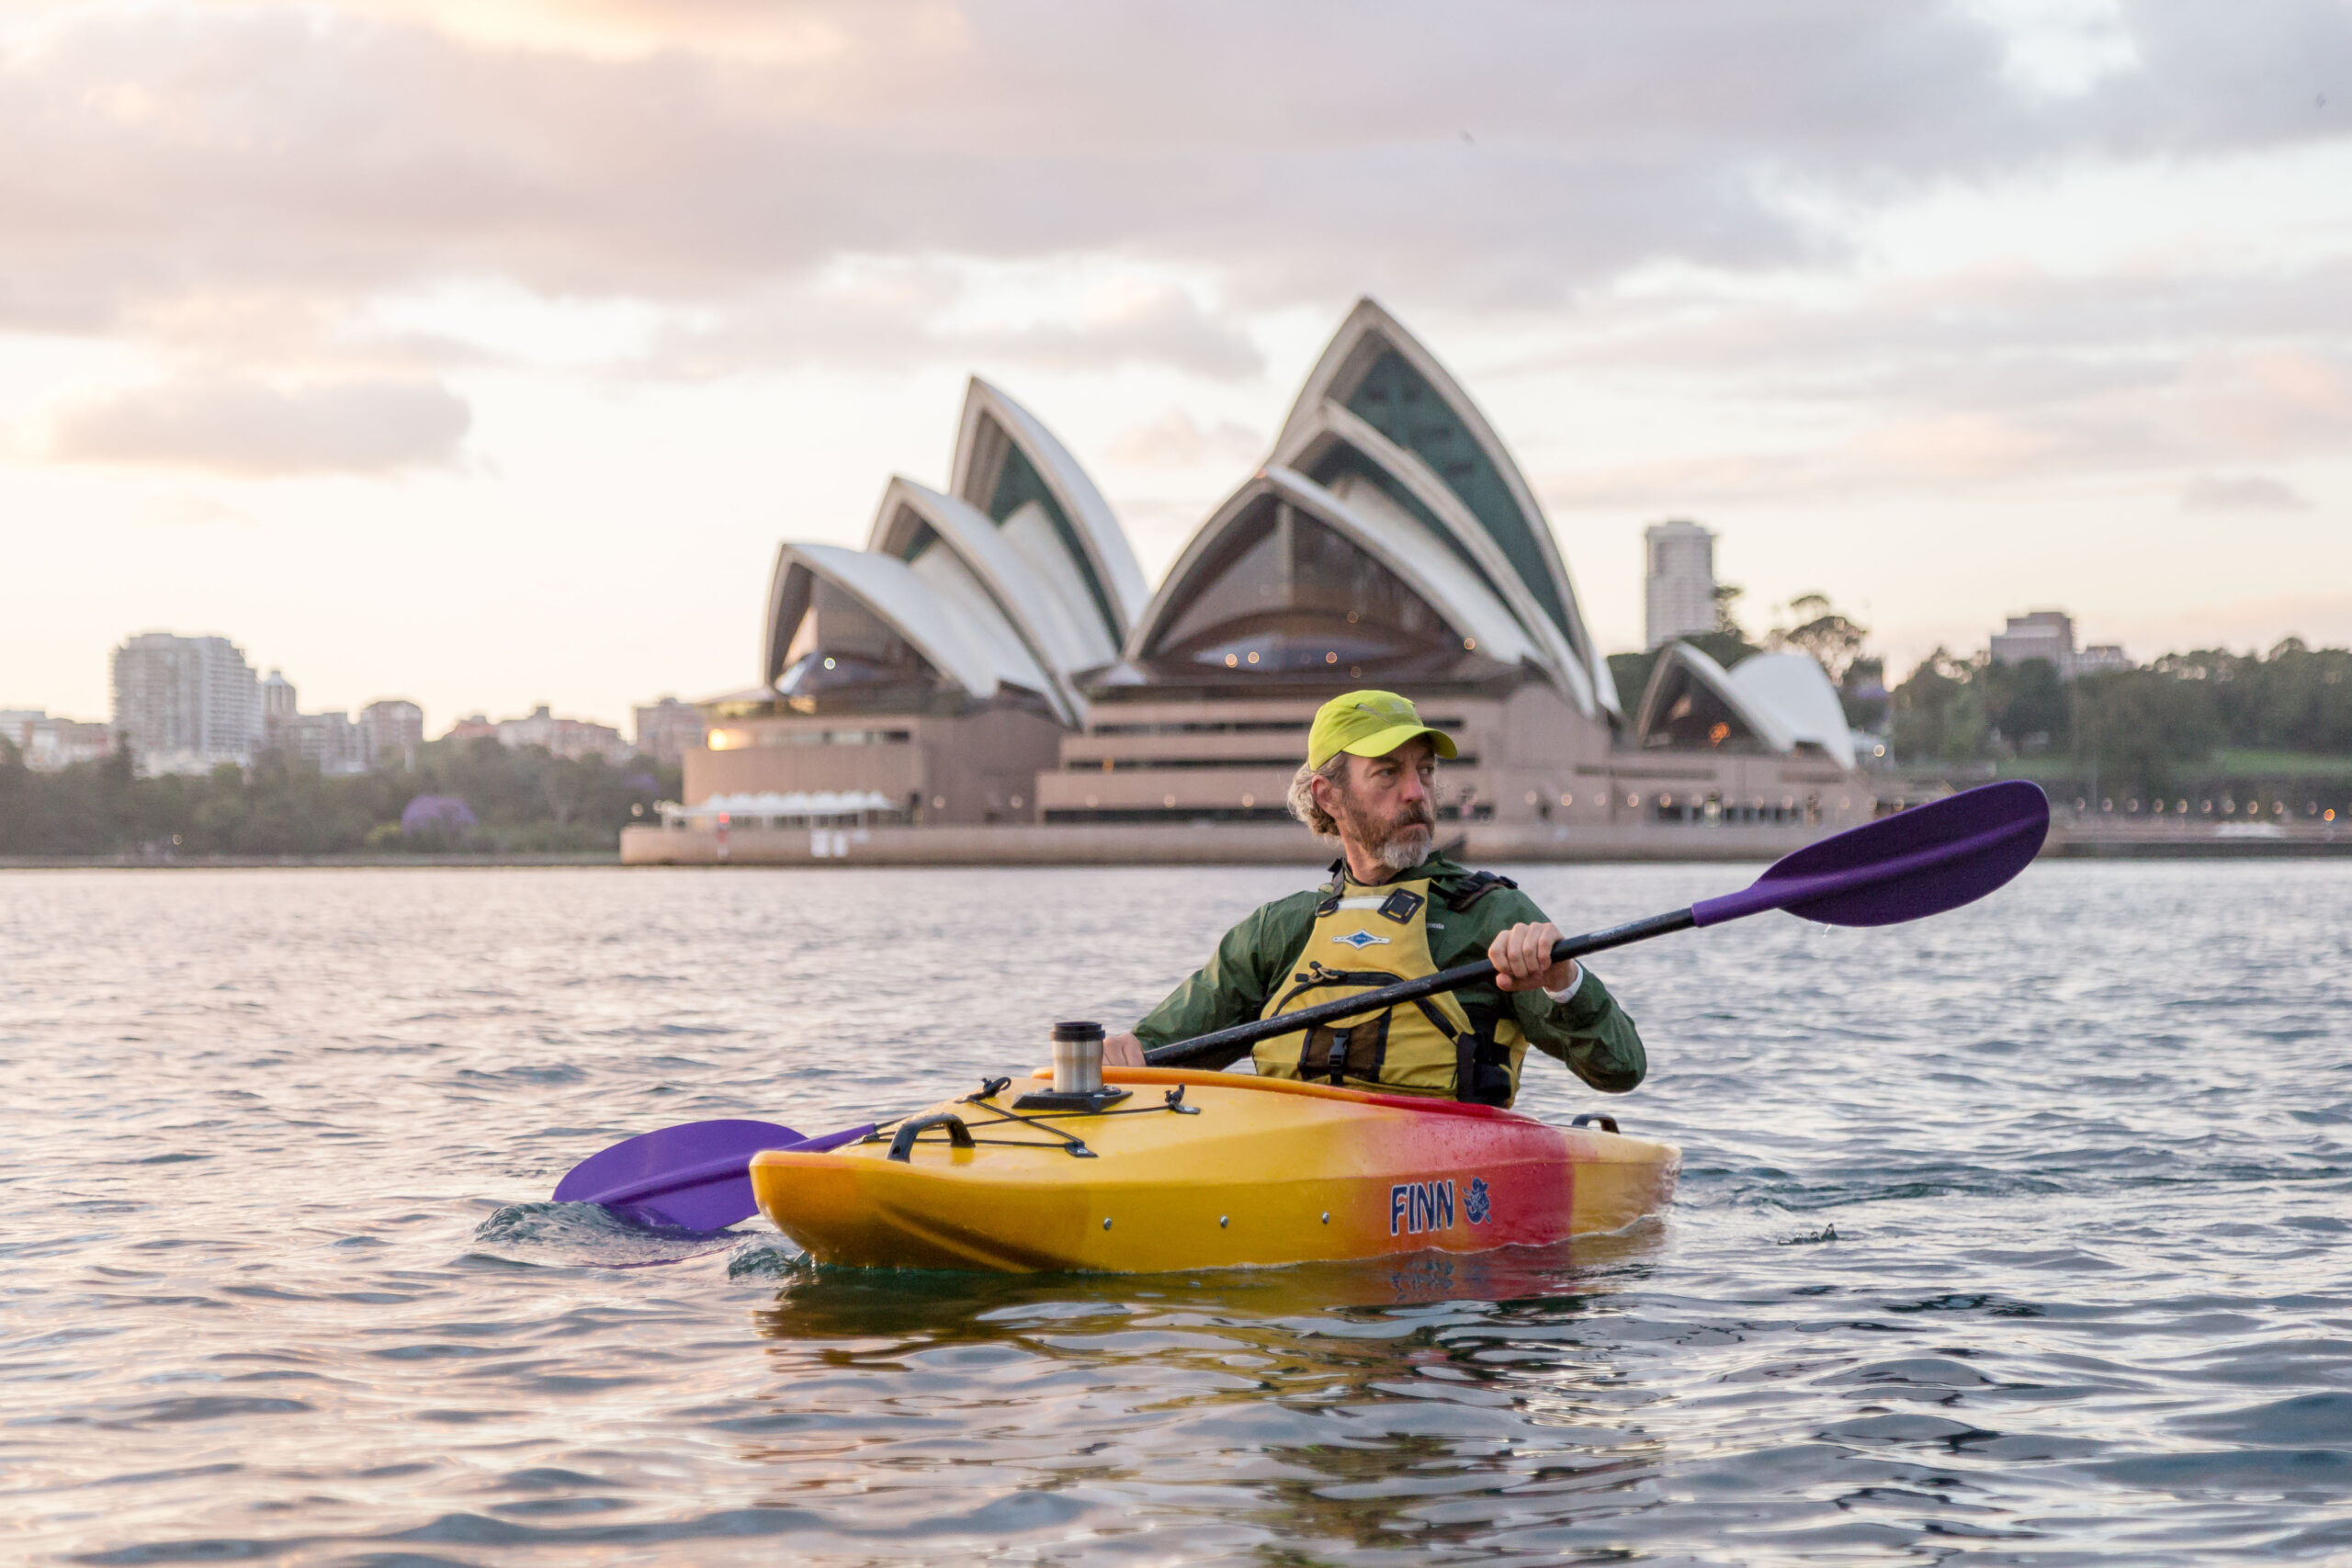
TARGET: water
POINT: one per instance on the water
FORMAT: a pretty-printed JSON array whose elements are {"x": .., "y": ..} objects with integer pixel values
[{"x": 2016, "y": 1236}]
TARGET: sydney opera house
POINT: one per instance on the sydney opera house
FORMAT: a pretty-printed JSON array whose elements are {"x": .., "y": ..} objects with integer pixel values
[{"x": 995, "y": 655}]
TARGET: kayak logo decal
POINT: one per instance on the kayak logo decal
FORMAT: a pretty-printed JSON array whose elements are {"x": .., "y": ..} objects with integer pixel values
[
  {"x": 1360, "y": 940},
  {"x": 1418, "y": 1206},
  {"x": 1476, "y": 1203}
]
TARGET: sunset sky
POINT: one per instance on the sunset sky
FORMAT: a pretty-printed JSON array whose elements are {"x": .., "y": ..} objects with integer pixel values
[{"x": 482, "y": 351}]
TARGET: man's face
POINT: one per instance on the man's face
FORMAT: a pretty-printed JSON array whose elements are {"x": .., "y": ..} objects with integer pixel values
[{"x": 1385, "y": 808}]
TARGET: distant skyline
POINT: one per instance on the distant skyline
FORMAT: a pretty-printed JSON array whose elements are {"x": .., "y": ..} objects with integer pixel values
[{"x": 480, "y": 352}]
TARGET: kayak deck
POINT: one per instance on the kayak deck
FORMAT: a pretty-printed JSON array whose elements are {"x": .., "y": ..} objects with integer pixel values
[{"x": 1204, "y": 1170}]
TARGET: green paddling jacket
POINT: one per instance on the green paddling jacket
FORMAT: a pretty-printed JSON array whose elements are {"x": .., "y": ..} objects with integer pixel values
[{"x": 1588, "y": 1031}]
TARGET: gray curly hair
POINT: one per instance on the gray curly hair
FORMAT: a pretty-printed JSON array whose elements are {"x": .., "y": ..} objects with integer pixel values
[{"x": 1301, "y": 798}]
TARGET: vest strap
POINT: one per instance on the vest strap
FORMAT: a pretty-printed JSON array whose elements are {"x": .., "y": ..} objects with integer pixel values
[
  {"x": 1482, "y": 1062},
  {"x": 1479, "y": 885}
]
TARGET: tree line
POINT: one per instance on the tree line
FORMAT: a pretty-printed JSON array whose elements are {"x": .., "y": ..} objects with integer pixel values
[
  {"x": 2157, "y": 727},
  {"x": 2152, "y": 729},
  {"x": 524, "y": 800}
]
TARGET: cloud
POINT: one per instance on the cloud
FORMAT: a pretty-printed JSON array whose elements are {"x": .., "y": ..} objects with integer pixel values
[
  {"x": 711, "y": 188},
  {"x": 1980, "y": 377},
  {"x": 237, "y": 425},
  {"x": 1176, "y": 440},
  {"x": 879, "y": 316},
  {"x": 2244, "y": 492},
  {"x": 321, "y": 157},
  {"x": 2322, "y": 620}
]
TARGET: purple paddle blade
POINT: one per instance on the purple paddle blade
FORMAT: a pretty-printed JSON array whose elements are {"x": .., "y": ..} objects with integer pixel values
[
  {"x": 694, "y": 1177},
  {"x": 1916, "y": 863}
]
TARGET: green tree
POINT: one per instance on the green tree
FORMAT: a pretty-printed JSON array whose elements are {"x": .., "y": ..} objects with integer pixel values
[
  {"x": 526, "y": 800},
  {"x": 2027, "y": 704},
  {"x": 1630, "y": 674},
  {"x": 1834, "y": 640},
  {"x": 1939, "y": 712},
  {"x": 2141, "y": 727},
  {"x": 1863, "y": 693}
]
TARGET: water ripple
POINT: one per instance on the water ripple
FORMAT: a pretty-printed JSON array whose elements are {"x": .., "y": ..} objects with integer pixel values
[{"x": 2010, "y": 1238}]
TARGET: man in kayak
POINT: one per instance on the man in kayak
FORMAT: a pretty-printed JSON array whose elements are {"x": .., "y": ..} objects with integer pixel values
[{"x": 1395, "y": 909}]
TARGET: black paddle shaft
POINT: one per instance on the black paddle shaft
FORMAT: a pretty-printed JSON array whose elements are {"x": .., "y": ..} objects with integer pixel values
[{"x": 1226, "y": 1039}]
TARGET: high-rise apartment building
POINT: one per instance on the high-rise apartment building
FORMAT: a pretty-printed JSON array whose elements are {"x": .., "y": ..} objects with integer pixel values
[
  {"x": 1678, "y": 593},
  {"x": 185, "y": 703},
  {"x": 394, "y": 728},
  {"x": 278, "y": 704}
]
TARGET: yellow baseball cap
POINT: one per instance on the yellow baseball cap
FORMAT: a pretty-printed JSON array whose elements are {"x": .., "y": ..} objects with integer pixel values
[{"x": 1368, "y": 724}]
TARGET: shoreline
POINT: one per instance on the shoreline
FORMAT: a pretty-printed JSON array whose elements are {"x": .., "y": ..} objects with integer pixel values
[
  {"x": 1024, "y": 846},
  {"x": 304, "y": 863}
]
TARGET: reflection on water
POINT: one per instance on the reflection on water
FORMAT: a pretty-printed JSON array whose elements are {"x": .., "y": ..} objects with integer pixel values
[
  {"x": 2012, "y": 1236},
  {"x": 1338, "y": 1402}
]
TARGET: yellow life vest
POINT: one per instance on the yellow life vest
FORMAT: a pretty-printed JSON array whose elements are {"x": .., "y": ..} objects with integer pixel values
[{"x": 1362, "y": 938}]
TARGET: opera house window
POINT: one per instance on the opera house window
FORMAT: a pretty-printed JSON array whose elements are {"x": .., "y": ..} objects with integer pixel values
[
  {"x": 1698, "y": 718},
  {"x": 1286, "y": 595},
  {"x": 843, "y": 649}
]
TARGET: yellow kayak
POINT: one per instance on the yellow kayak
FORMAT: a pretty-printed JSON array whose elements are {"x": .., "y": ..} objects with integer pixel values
[{"x": 1203, "y": 1170}]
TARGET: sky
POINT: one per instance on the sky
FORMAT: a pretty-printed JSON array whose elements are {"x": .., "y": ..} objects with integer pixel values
[{"x": 481, "y": 352}]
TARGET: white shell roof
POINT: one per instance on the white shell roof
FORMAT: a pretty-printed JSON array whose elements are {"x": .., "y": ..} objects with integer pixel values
[
  {"x": 1785, "y": 699},
  {"x": 1060, "y": 633},
  {"x": 1020, "y": 601},
  {"x": 1110, "y": 560},
  {"x": 956, "y": 626},
  {"x": 1797, "y": 691}
]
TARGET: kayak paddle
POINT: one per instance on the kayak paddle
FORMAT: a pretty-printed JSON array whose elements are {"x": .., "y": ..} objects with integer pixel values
[
  {"x": 1916, "y": 863},
  {"x": 697, "y": 1177}
]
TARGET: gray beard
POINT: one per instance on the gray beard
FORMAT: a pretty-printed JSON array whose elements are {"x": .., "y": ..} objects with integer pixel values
[
  {"x": 1404, "y": 849},
  {"x": 1399, "y": 846}
]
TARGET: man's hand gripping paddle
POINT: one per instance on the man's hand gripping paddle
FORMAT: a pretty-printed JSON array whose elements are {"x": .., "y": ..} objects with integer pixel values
[{"x": 1916, "y": 863}]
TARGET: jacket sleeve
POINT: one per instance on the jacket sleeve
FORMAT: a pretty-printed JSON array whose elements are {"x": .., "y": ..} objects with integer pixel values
[
  {"x": 1588, "y": 1031},
  {"x": 1233, "y": 987}
]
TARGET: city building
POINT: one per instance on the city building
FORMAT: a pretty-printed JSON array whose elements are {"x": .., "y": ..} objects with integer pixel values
[
  {"x": 668, "y": 729},
  {"x": 185, "y": 703},
  {"x": 278, "y": 704},
  {"x": 393, "y": 728},
  {"x": 992, "y": 655},
  {"x": 49, "y": 745},
  {"x": 16, "y": 724},
  {"x": 2044, "y": 634},
  {"x": 572, "y": 738},
  {"x": 1678, "y": 587},
  {"x": 330, "y": 742},
  {"x": 2049, "y": 635}
]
